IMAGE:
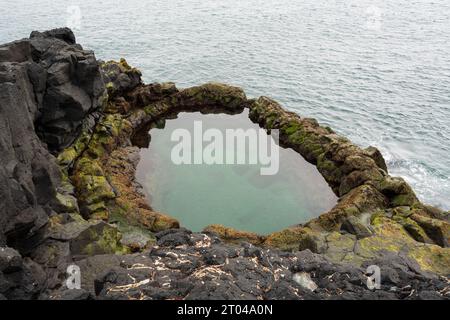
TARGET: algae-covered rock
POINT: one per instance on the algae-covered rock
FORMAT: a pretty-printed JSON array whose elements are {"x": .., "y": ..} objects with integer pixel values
[
  {"x": 112, "y": 131},
  {"x": 313, "y": 240},
  {"x": 93, "y": 191},
  {"x": 432, "y": 258},
  {"x": 376, "y": 155},
  {"x": 340, "y": 247},
  {"x": 390, "y": 235},
  {"x": 434, "y": 212},
  {"x": 66, "y": 203},
  {"x": 357, "y": 227},
  {"x": 233, "y": 235},
  {"x": 287, "y": 239},
  {"x": 86, "y": 237},
  {"x": 212, "y": 94},
  {"x": 119, "y": 77},
  {"x": 119, "y": 105},
  {"x": 145, "y": 95},
  {"x": 362, "y": 199},
  {"x": 413, "y": 228},
  {"x": 92, "y": 186},
  {"x": 438, "y": 230},
  {"x": 358, "y": 177},
  {"x": 130, "y": 202},
  {"x": 305, "y": 136},
  {"x": 99, "y": 238},
  {"x": 68, "y": 156},
  {"x": 158, "y": 109},
  {"x": 398, "y": 191}
]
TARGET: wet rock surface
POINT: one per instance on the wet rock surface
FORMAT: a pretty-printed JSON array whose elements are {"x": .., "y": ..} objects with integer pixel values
[
  {"x": 70, "y": 128},
  {"x": 199, "y": 266}
]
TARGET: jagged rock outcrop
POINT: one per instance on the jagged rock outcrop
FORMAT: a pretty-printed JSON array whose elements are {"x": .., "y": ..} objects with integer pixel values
[
  {"x": 70, "y": 129},
  {"x": 68, "y": 87},
  {"x": 49, "y": 89}
]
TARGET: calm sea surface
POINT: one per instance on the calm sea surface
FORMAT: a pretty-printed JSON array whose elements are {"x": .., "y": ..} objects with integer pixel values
[{"x": 377, "y": 72}]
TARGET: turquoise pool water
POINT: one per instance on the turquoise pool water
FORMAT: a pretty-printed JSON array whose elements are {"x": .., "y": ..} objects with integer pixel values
[{"x": 234, "y": 195}]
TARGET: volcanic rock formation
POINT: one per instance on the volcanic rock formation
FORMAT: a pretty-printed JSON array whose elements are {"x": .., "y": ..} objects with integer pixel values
[{"x": 70, "y": 131}]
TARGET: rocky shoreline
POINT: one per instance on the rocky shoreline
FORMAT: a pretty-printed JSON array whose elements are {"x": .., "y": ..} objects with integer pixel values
[{"x": 70, "y": 131}]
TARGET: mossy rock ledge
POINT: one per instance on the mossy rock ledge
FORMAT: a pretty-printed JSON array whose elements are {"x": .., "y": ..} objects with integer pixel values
[{"x": 95, "y": 214}]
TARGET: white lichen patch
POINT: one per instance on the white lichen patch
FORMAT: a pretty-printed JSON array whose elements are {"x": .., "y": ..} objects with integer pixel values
[
  {"x": 304, "y": 280},
  {"x": 204, "y": 243}
]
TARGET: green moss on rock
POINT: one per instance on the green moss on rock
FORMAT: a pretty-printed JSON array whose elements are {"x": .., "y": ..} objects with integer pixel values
[
  {"x": 211, "y": 94},
  {"x": 67, "y": 203},
  {"x": 233, "y": 235},
  {"x": 288, "y": 239},
  {"x": 104, "y": 240}
]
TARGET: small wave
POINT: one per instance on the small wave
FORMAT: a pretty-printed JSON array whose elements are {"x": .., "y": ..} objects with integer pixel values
[{"x": 430, "y": 185}]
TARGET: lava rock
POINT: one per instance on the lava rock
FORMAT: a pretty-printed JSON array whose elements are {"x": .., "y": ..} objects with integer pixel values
[
  {"x": 29, "y": 175},
  {"x": 72, "y": 294},
  {"x": 119, "y": 77},
  {"x": 24, "y": 282},
  {"x": 376, "y": 155},
  {"x": 194, "y": 272},
  {"x": 355, "y": 226},
  {"x": 173, "y": 237},
  {"x": 10, "y": 260},
  {"x": 73, "y": 85},
  {"x": 215, "y": 256}
]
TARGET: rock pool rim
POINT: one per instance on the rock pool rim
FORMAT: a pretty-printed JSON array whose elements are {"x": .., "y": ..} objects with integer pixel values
[
  {"x": 142, "y": 139},
  {"x": 357, "y": 176},
  {"x": 363, "y": 171}
]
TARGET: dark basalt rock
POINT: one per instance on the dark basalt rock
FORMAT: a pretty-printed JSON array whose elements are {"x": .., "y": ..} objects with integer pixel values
[
  {"x": 187, "y": 273},
  {"x": 120, "y": 77},
  {"x": 48, "y": 86},
  {"x": 10, "y": 260},
  {"x": 376, "y": 155},
  {"x": 149, "y": 93},
  {"x": 215, "y": 256},
  {"x": 64, "y": 34},
  {"x": 70, "y": 85},
  {"x": 20, "y": 278},
  {"x": 173, "y": 237},
  {"x": 29, "y": 176}
]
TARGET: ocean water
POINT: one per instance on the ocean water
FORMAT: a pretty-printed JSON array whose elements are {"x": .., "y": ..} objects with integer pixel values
[
  {"x": 377, "y": 72},
  {"x": 234, "y": 195}
]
